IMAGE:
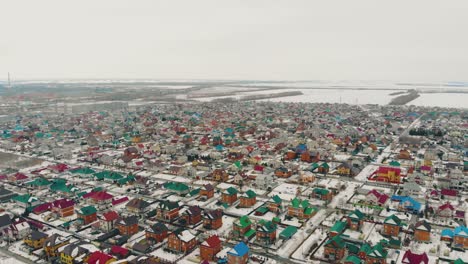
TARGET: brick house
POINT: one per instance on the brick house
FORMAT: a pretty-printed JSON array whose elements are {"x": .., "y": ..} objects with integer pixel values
[
  {"x": 229, "y": 196},
  {"x": 107, "y": 220},
  {"x": 334, "y": 249},
  {"x": 181, "y": 240},
  {"x": 167, "y": 210},
  {"x": 193, "y": 215},
  {"x": 156, "y": 233},
  {"x": 219, "y": 175},
  {"x": 63, "y": 207},
  {"x": 355, "y": 220},
  {"x": 207, "y": 191},
  {"x": 266, "y": 232},
  {"x": 322, "y": 194},
  {"x": 275, "y": 204},
  {"x": 127, "y": 225},
  {"x": 137, "y": 206},
  {"x": 422, "y": 231},
  {"x": 388, "y": 174},
  {"x": 377, "y": 255},
  {"x": 210, "y": 247},
  {"x": 213, "y": 219},
  {"x": 242, "y": 227},
  {"x": 248, "y": 199},
  {"x": 460, "y": 237},
  {"x": 301, "y": 209},
  {"x": 87, "y": 214},
  {"x": 239, "y": 254},
  {"x": 35, "y": 239},
  {"x": 392, "y": 226},
  {"x": 283, "y": 172}
]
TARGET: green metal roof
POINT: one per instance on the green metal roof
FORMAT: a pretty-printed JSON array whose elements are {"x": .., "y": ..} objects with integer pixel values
[
  {"x": 338, "y": 227},
  {"x": 249, "y": 233},
  {"x": 87, "y": 210},
  {"x": 288, "y": 232},
  {"x": 243, "y": 222}
]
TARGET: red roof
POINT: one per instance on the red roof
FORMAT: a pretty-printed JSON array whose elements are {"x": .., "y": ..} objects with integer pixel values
[
  {"x": 120, "y": 200},
  {"x": 213, "y": 241},
  {"x": 42, "y": 208},
  {"x": 101, "y": 196},
  {"x": 448, "y": 192},
  {"x": 63, "y": 203},
  {"x": 388, "y": 169},
  {"x": 99, "y": 257},
  {"x": 116, "y": 250},
  {"x": 110, "y": 216},
  {"x": 20, "y": 176},
  {"x": 413, "y": 258},
  {"x": 445, "y": 206},
  {"x": 59, "y": 167},
  {"x": 381, "y": 197}
]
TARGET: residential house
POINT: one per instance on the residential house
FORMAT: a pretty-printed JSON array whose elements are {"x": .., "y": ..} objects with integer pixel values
[
  {"x": 229, "y": 196},
  {"x": 213, "y": 219},
  {"x": 107, "y": 220},
  {"x": 377, "y": 198},
  {"x": 392, "y": 226},
  {"x": 301, "y": 209},
  {"x": 181, "y": 240},
  {"x": 355, "y": 220},
  {"x": 167, "y": 210},
  {"x": 239, "y": 254},
  {"x": 63, "y": 207},
  {"x": 76, "y": 252},
  {"x": 127, "y": 225},
  {"x": 52, "y": 243},
  {"x": 99, "y": 257},
  {"x": 207, "y": 191},
  {"x": 265, "y": 181},
  {"x": 322, "y": 194},
  {"x": 210, "y": 247},
  {"x": 388, "y": 174},
  {"x": 346, "y": 169},
  {"x": 101, "y": 198},
  {"x": 248, "y": 199},
  {"x": 193, "y": 215},
  {"x": 87, "y": 214},
  {"x": 156, "y": 233},
  {"x": 25, "y": 200},
  {"x": 409, "y": 204},
  {"x": 35, "y": 239},
  {"x": 338, "y": 228},
  {"x": 266, "y": 232},
  {"x": 460, "y": 237},
  {"x": 405, "y": 154},
  {"x": 242, "y": 227},
  {"x": 445, "y": 210},
  {"x": 334, "y": 249},
  {"x": 422, "y": 231},
  {"x": 275, "y": 204},
  {"x": 413, "y": 258},
  {"x": 377, "y": 255},
  {"x": 288, "y": 232},
  {"x": 219, "y": 175},
  {"x": 283, "y": 172},
  {"x": 137, "y": 206}
]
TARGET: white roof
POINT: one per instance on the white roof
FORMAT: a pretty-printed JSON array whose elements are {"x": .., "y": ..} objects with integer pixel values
[{"x": 186, "y": 236}]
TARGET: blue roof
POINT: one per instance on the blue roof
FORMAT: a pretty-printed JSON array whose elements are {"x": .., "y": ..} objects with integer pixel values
[
  {"x": 415, "y": 205},
  {"x": 219, "y": 148},
  {"x": 398, "y": 197},
  {"x": 301, "y": 148},
  {"x": 461, "y": 231},
  {"x": 239, "y": 250},
  {"x": 447, "y": 232}
]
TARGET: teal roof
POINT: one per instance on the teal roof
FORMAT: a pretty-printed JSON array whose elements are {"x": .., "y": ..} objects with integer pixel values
[
  {"x": 87, "y": 210},
  {"x": 39, "y": 182},
  {"x": 338, "y": 227},
  {"x": 288, "y": 232},
  {"x": 231, "y": 191}
]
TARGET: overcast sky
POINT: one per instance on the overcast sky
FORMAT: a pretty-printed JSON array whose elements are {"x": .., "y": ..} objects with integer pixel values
[{"x": 219, "y": 39}]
